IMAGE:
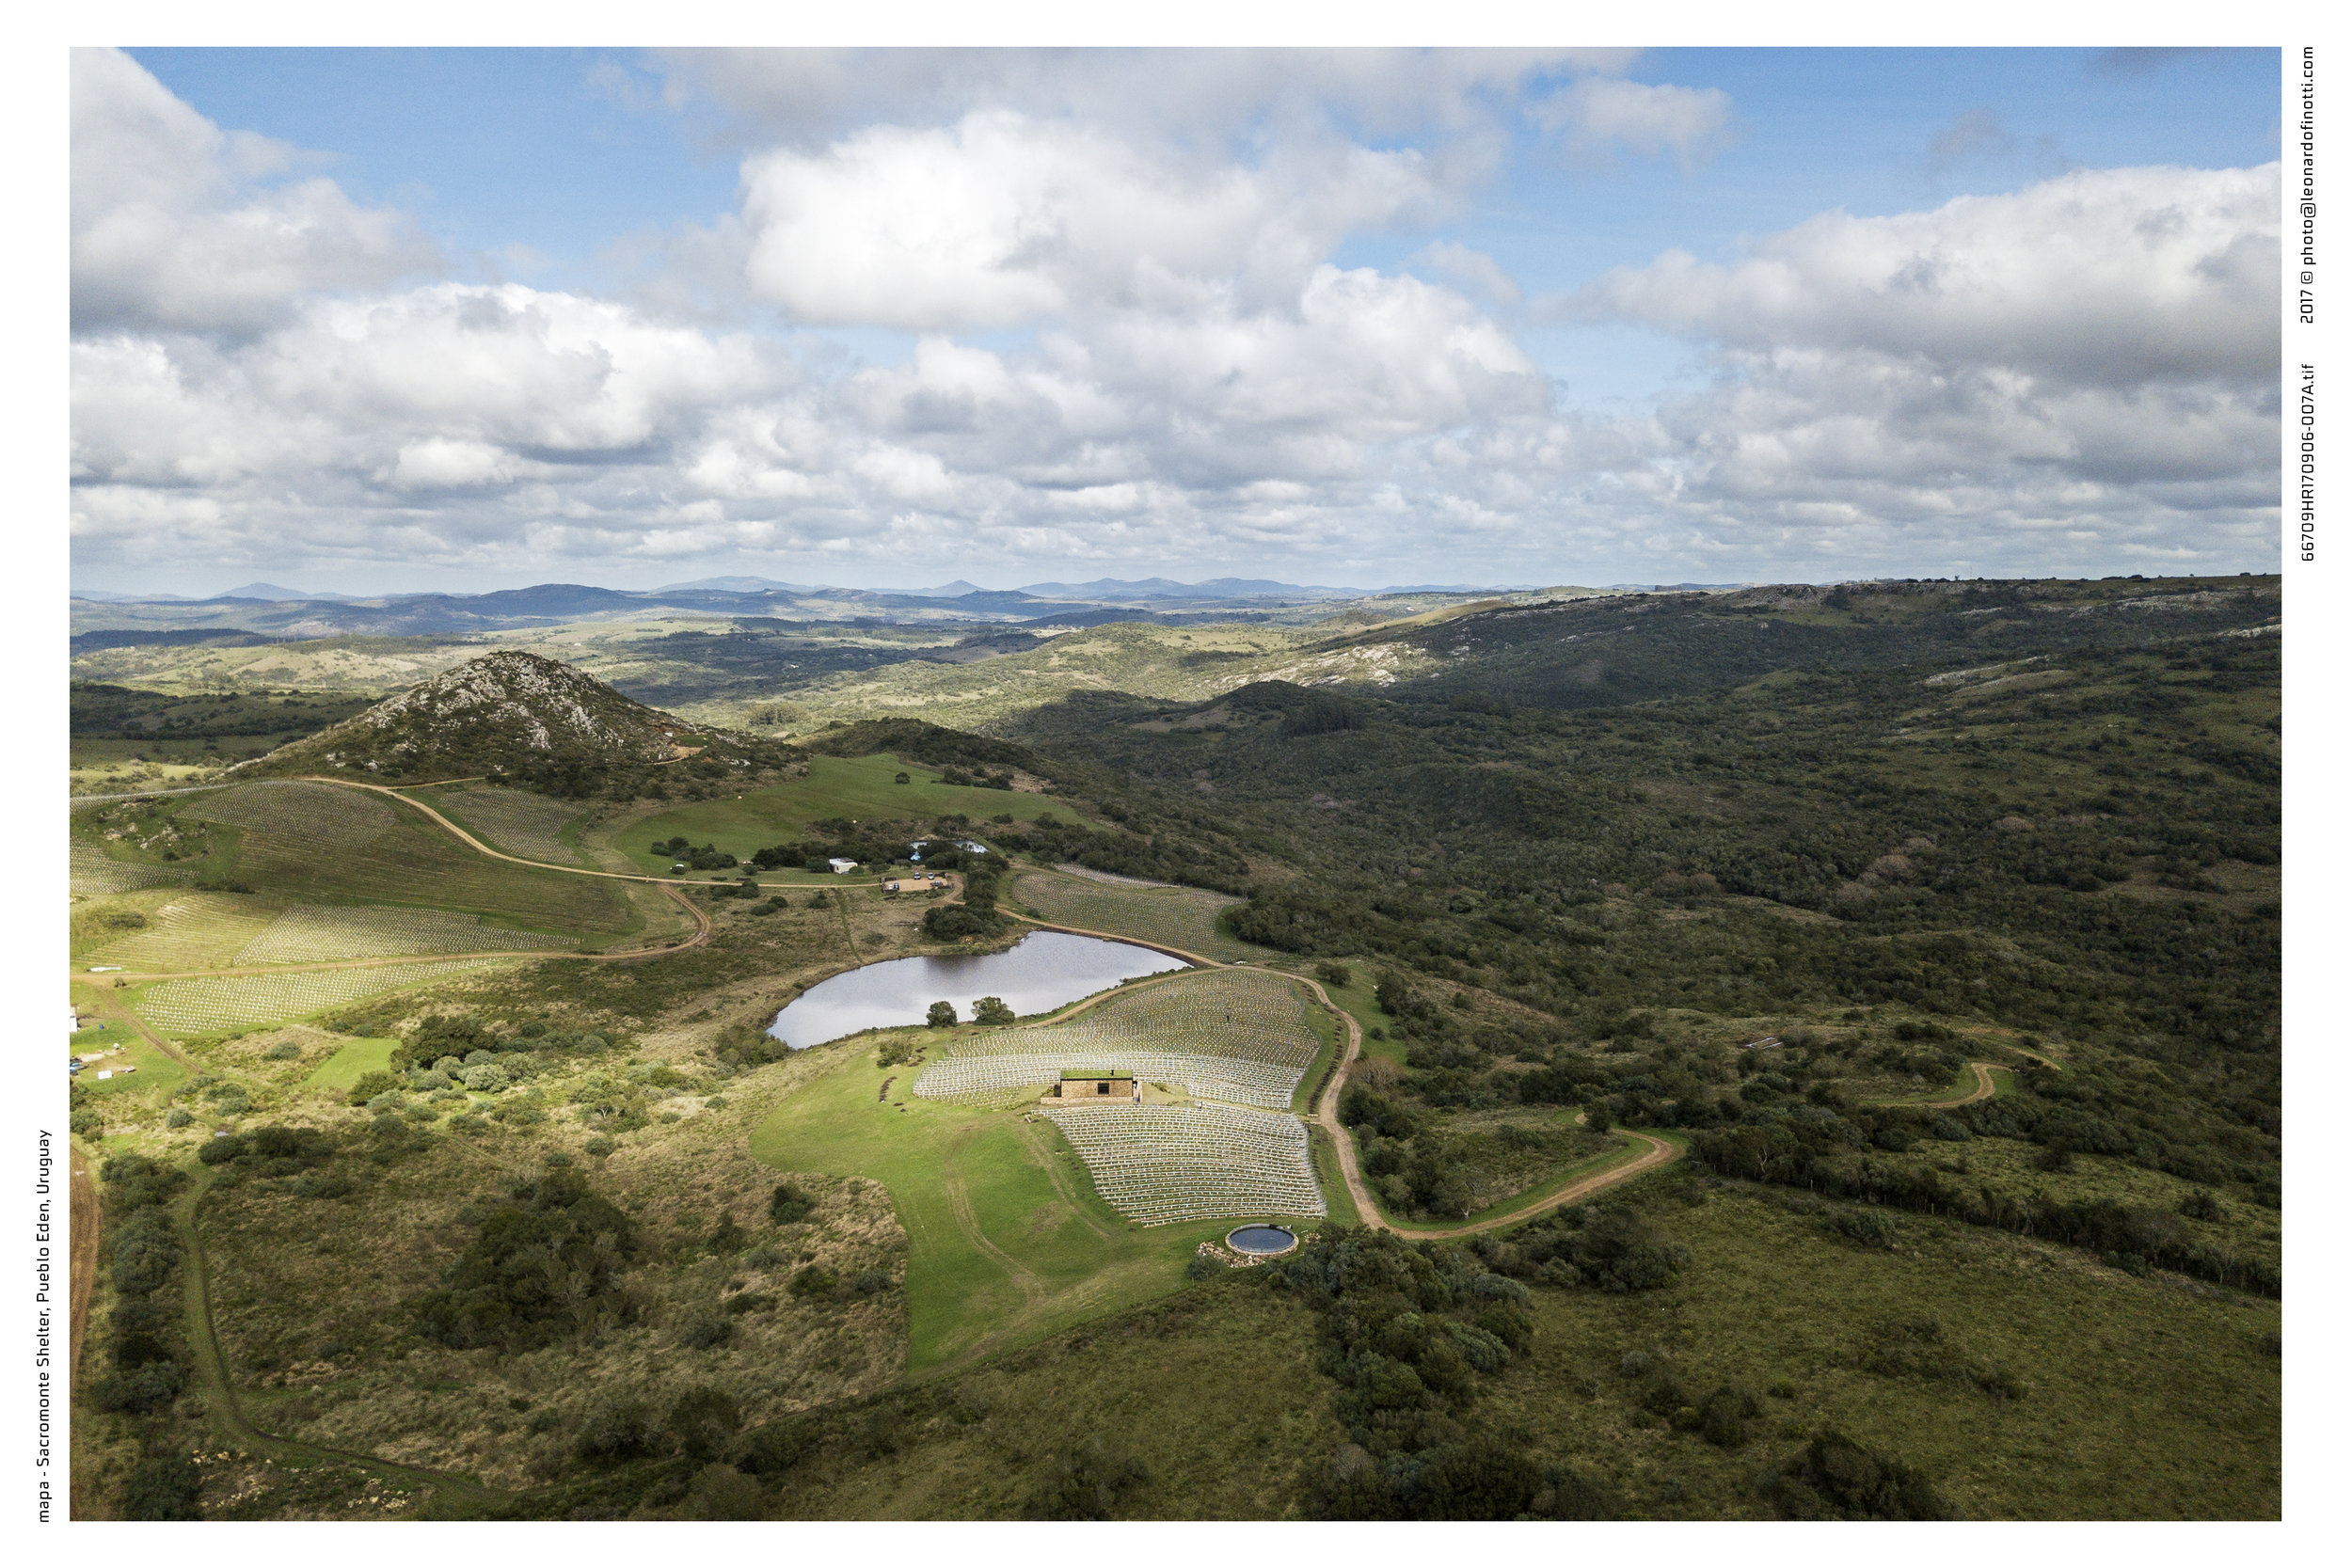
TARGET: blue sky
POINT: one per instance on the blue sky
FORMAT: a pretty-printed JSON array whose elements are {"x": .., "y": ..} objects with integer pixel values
[{"x": 1294, "y": 317}]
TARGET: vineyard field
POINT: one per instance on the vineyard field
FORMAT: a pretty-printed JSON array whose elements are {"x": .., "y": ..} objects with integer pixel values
[
  {"x": 196, "y": 930},
  {"x": 1161, "y": 1163},
  {"x": 1184, "y": 918},
  {"x": 514, "y": 821},
  {"x": 1225, "y": 1078},
  {"x": 1226, "y": 1035},
  {"x": 310, "y": 842},
  {"x": 232, "y": 1002},
  {"x": 90, "y": 872},
  {"x": 1246, "y": 1014},
  {"x": 313, "y": 933}
]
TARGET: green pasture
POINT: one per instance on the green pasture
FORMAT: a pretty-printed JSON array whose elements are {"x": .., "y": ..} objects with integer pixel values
[
  {"x": 155, "y": 1069},
  {"x": 343, "y": 1069},
  {"x": 859, "y": 789},
  {"x": 1006, "y": 1241},
  {"x": 2134, "y": 1399}
]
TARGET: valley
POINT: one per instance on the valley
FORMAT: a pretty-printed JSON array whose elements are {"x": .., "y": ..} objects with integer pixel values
[{"x": 1586, "y": 979}]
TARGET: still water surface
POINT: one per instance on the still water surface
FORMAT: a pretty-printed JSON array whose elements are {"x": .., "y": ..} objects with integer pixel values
[{"x": 1038, "y": 973}]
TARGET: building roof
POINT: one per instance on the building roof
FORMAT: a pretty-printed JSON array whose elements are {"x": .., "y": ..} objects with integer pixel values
[{"x": 1072, "y": 1074}]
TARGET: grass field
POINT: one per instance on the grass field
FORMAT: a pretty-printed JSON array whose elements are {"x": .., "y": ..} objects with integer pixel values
[
  {"x": 155, "y": 1070},
  {"x": 1180, "y": 917},
  {"x": 859, "y": 789},
  {"x": 1006, "y": 1238},
  {"x": 198, "y": 1006},
  {"x": 343, "y": 1069}
]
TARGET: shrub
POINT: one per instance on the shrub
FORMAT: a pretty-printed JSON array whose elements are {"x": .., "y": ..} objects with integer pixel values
[
  {"x": 164, "y": 1486},
  {"x": 991, "y": 1009},
  {"x": 706, "y": 1333},
  {"x": 1205, "y": 1265},
  {"x": 370, "y": 1085},
  {"x": 621, "y": 1430},
  {"x": 723, "y": 1492},
  {"x": 704, "y": 1419},
  {"x": 1086, "y": 1481},
  {"x": 547, "y": 1262},
  {"x": 1837, "y": 1478},
  {"x": 86, "y": 1124},
  {"x": 177, "y": 1118},
  {"x": 942, "y": 1015},
  {"x": 1870, "y": 1227},
  {"x": 788, "y": 1205},
  {"x": 1335, "y": 974},
  {"x": 284, "y": 1051}
]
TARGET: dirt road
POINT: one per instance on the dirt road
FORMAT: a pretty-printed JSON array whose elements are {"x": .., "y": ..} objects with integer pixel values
[
  {"x": 460, "y": 1495},
  {"x": 1983, "y": 1091},
  {"x": 85, "y": 1216}
]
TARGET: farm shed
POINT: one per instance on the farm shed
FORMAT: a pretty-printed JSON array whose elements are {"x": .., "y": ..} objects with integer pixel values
[{"x": 1099, "y": 1087}]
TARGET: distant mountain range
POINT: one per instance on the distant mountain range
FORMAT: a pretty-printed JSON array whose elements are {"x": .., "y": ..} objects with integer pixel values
[{"x": 269, "y": 610}]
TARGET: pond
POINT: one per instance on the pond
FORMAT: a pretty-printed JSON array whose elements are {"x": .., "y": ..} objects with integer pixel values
[
  {"x": 1041, "y": 972},
  {"x": 1261, "y": 1240}
]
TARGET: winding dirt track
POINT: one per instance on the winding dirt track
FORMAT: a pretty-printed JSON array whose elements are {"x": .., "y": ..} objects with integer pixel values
[
  {"x": 1326, "y": 1109},
  {"x": 469, "y": 1496},
  {"x": 669, "y": 886},
  {"x": 1983, "y": 1091}
]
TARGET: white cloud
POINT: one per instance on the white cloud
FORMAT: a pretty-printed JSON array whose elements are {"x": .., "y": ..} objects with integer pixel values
[
  {"x": 1182, "y": 368},
  {"x": 1000, "y": 220},
  {"x": 2099, "y": 275},
  {"x": 1599, "y": 113},
  {"x": 806, "y": 97},
  {"x": 171, "y": 227},
  {"x": 1475, "y": 270}
]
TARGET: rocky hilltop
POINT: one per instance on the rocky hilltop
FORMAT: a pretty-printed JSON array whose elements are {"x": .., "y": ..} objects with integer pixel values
[{"x": 526, "y": 718}]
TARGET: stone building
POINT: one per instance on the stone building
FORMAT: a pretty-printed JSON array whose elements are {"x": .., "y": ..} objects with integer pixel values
[{"x": 1094, "y": 1086}]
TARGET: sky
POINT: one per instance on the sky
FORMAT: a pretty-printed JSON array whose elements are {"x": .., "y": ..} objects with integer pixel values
[{"x": 368, "y": 320}]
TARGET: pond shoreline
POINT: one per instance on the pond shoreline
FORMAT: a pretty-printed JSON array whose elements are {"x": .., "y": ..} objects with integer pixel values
[{"x": 1057, "y": 968}]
